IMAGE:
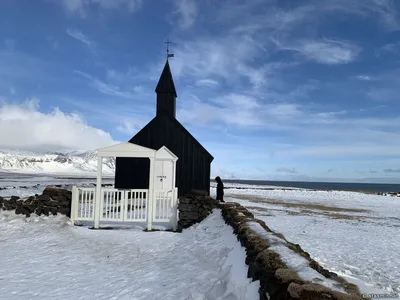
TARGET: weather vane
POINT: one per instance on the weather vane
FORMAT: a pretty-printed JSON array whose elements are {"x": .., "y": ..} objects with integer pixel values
[{"x": 168, "y": 54}]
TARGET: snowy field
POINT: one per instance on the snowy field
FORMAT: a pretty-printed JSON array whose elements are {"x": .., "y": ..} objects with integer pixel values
[
  {"x": 46, "y": 258},
  {"x": 25, "y": 185},
  {"x": 353, "y": 234}
]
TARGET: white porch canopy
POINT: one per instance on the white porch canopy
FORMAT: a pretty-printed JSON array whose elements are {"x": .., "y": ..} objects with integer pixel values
[{"x": 134, "y": 151}]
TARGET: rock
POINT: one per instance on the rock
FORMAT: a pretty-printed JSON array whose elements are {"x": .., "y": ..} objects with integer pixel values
[
  {"x": 54, "y": 192},
  {"x": 26, "y": 211},
  {"x": 65, "y": 211},
  {"x": 321, "y": 270},
  {"x": 185, "y": 201},
  {"x": 188, "y": 215},
  {"x": 46, "y": 211},
  {"x": 314, "y": 291},
  {"x": 288, "y": 276},
  {"x": 39, "y": 211},
  {"x": 52, "y": 203},
  {"x": 53, "y": 200},
  {"x": 199, "y": 192},
  {"x": 187, "y": 207},
  {"x": 44, "y": 198}
]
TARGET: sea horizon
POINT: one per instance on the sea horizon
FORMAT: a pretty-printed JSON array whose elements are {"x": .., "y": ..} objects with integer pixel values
[
  {"x": 313, "y": 185},
  {"x": 322, "y": 185}
]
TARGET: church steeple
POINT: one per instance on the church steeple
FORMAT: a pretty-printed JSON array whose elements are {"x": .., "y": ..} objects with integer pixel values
[{"x": 166, "y": 93}]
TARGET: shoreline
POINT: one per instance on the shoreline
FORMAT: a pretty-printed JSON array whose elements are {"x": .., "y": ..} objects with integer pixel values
[{"x": 288, "y": 188}]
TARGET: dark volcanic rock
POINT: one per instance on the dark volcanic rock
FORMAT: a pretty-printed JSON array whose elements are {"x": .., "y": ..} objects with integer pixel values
[
  {"x": 195, "y": 207},
  {"x": 53, "y": 200}
]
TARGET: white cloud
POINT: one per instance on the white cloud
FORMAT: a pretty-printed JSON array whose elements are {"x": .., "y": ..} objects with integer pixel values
[
  {"x": 357, "y": 149},
  {"x": 24, "y": 127},
  {"x": 232, "y": 109},
  {"x": 364, "y": 77},
  {"x": 387, "y": 11},
  {"x": 388, "y": 48},
  {"x": 188, "y": 12},
  {"x": 210, "y": 58},
  {"x": 325, "y": 51},
  {"x": 75, "y": 6},
  {"x": 129, "y": 5},
  {"x": 128, "y": 127},
  {"x": 78, "y": 35},
  {"x": 106, "y": 88},
  {"x": 81, "y": 7},
  {"x": 206, "y": 82},
  {"x": 383, "y": 11}
]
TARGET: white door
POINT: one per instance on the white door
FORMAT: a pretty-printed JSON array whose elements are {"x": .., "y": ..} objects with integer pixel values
[
  {"x": 167, "y": 171},
  {"x": 158, "y": 173},
  {"x": 163, "y": 175}
]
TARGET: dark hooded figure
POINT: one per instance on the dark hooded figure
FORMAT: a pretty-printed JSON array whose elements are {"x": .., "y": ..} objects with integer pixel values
[{"x": 220, "y": 189}]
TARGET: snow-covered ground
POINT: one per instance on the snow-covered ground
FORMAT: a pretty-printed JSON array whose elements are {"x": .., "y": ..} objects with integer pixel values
[
  {"x": 252, "y": 186},
  {"x": 46, "y": 258},
  {"x": 353, "y": 234},
  {"x": 25, "y": 185}
]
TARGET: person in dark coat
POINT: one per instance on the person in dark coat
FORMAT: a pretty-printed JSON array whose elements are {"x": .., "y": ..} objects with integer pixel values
[{"x": 220, "y": 189}]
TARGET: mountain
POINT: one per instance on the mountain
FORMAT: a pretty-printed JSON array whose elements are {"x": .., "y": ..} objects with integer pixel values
[{"x": 54, "y": 163}]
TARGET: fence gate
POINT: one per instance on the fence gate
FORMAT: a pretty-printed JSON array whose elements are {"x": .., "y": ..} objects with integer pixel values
[
  {"x": 123, "y": 205},
  {"x": 164, "y": 205}
]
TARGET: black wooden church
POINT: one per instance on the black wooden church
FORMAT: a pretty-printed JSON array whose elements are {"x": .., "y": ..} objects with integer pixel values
[{"x": 193, "y": 168}]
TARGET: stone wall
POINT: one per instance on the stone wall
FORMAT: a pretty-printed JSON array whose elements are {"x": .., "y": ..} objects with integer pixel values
[
  {"x": 52, "y": 201},
  {"x": 277, "y": 280},
  {"x": 194, "y": 208}
]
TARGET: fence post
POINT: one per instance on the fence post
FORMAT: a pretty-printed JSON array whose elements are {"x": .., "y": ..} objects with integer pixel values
[
  {"x": 124, "y": 206},
  {"x": 74, "y": 204},
  {"x": 175, "y": 209},
  {"x": 150, "y": 195},
  {"x": 97, "y": 196}
]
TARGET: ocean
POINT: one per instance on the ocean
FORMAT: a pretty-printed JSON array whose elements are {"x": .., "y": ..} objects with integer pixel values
[{"x": 338, "y": 186}]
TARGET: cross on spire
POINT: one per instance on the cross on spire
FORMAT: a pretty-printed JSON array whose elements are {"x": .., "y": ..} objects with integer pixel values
[{"x": 168, "y": 54}]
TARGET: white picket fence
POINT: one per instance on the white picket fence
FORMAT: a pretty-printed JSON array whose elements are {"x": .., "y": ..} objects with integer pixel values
[{"x": 125, "y": 206}]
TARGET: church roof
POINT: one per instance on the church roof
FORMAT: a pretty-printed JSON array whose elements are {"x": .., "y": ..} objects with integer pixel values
[
  {"x": 152, "y": 135},
  {"x": 166, "y": 83}
]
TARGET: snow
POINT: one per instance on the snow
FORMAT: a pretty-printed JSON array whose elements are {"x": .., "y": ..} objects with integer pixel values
[
  {"x": 84, "y": 163},
  {"x": 292, "y": 259},
  {"x": 234, "y": 185},
  {"x": 46, "y": 258},
  {"x": 363, "y": 246},
  {"x": 25, "y": 185}
]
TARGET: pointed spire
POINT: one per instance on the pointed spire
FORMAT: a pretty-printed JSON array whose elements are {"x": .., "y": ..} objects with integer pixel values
[{"x": 166, "y": 83}]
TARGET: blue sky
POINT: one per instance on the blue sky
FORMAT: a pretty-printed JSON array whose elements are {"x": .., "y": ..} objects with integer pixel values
[{"x": 303, "y": 90}]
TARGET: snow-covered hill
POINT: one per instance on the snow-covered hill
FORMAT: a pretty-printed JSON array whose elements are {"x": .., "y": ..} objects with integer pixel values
[{"x": 53, "y": 163}]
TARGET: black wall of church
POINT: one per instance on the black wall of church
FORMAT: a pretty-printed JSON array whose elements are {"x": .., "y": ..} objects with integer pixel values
[{"x": 193, "y": 168}]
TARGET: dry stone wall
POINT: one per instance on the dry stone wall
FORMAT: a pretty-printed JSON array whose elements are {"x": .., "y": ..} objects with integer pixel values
[
  {"x": 194, "y": 208},
  {"x": 277, "y": 280},
  {"x": 52, "y": 201}
]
